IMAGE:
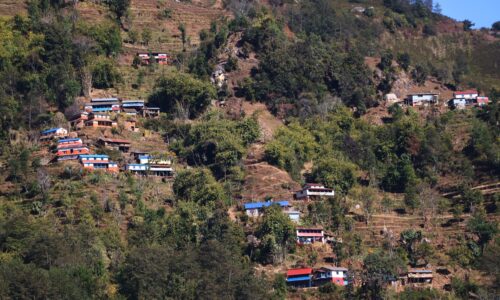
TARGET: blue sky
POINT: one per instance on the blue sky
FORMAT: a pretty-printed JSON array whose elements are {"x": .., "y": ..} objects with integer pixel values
[{"x": 482, "y": 12}]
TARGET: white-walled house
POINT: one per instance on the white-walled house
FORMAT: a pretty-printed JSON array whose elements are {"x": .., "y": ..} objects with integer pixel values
[
  {"x": 420, "y": 99},
  {"x": 313, "y": 190},
  {"x": 468, "y": 94}
]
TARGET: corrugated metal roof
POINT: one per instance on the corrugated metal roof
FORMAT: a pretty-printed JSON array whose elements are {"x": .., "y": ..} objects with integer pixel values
[
  {"x": 51, "y": 130},
  {"x": 69, "y": 140},
  {"x": 301, "y": 271},
  {"x": 265, "y": 204},
  {"x": 301, "y": 278}
]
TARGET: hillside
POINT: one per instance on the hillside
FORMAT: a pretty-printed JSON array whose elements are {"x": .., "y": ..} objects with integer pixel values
[{"x": 280, "y": 150}]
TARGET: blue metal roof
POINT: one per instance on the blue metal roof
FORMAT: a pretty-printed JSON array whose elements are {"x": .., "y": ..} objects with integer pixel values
[
  {"x": 94, "y": 156},
  {"x": 51, "y": 130},
  {"x": 299, "y": 278},
  {"x": 101, "y": 108},
  {"x": 144, "y": 156},
  {"x": 69, "y": 140},
  {"x": 265, "y": 204}
]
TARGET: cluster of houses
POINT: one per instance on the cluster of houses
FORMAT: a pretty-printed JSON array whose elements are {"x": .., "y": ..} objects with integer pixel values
[
  {"x": 98, "y": 113},
  {"x": 159, "y": 58},
  {"x": 73, "y": 149},
  {"x": 309, "y": 191},
  {"x": 461, "y": 99},
  {"x": 309, "y": 277}
]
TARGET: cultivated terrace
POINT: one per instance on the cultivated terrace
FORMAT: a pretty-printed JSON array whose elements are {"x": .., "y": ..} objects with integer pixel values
[{"x": 233, "y": 149}]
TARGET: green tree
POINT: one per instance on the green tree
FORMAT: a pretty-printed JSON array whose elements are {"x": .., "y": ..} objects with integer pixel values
[
  {"x": 146, "y": 35},
  {"x": 276, "y": 233},
  {"x": 467, "y": 25},
  {"x": 104, "y": 75},
  {"x": 482, "y": 228},
  {"x": 119, "y": 8},
  {"x": 182, "y": 94},
  {"x": 198, "y": 185}
]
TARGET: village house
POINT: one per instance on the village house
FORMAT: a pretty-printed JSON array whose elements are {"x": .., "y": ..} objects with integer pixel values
[
  {"x": 294, "y": 215},
  {"x": 114, "y": 144},
  {"x": 313, "y": 190},
  {"x": 68, "y": 149},
  {"x": 418, "y": 277},
  {"x": 98, "y": 162},
  {"x": 391, "y": 99},
  {"x": 148, "y": 165},
  {"x": 159, "y": 58},
  {"x": 336, "y": 275},
  {"x": 53, "y": 133},
  {"x": 78, "y": 121},
  {"x": 458, "y": 103},
  {"x": 130, "y": 124},
  {"x": 132, "y": 107},
  {"x": 422, "y": 99},
  {"x": 482, "y": 101},
  {"x": 103, "y": 105},
  {"x": 310, "y": 235},
  {"x": 468, "y": 94},
  {"x": 100, "y": 120},
  {"x": 299, "y": 278},
  {"x": 151, "y": 112}
]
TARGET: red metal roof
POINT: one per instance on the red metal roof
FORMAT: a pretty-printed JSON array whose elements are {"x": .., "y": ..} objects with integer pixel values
[
  {"x": 302, "y": 271},
  {"x": 466, "y": 92}
]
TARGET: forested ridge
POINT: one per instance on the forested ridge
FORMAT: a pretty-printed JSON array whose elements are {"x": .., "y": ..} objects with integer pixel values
[{"x": 302, "y": 99}]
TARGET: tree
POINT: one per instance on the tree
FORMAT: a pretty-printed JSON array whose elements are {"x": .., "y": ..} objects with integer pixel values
[
  {"x": 182, "y": 94},
  {"x": 119, "y": 8},
  {"x": 467, "y": 25},
  {"x": 482, "y": 228},
  {"x": 104, "y": 75},
  {"x": 276, "y": 233},
  {"x": 437, "y": 8},
  {"x": 198, "y": 185},
  {"x": 335, "y": 173},
  {"x": 496, "y": 26},
  {"x": 410, "y": 239},
  {"x": 379, "y": 268},
  {"x": 133, "y": 36},
  {"x": 182, "y": 29},
  {"x": 420, "y": 74},
  {"x": 146, "y": 36},
  {"x": 404, "y": 60}
]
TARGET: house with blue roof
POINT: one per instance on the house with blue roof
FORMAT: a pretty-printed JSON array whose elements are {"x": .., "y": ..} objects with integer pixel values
[
  {"x": 58, "y": 132},
  {"x": 256, "y": 209}
]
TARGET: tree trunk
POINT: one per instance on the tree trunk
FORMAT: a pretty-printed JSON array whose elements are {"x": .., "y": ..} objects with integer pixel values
[{"x": 86, "y": 75}]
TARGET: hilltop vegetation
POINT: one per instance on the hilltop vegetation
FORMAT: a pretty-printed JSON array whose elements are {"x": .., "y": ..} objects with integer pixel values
[{"x": 417, "y": 189}]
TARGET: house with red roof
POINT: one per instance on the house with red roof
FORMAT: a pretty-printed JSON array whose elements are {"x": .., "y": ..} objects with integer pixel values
[
  {"x": 300, "y": 278},
  {"x": 482, "y": 101},
  {"x": 313, "y": 190},
  {"x": 310, "y": 235},
  {"x": 68, "y": 149},
  {"x": 467, "y": 94}
]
